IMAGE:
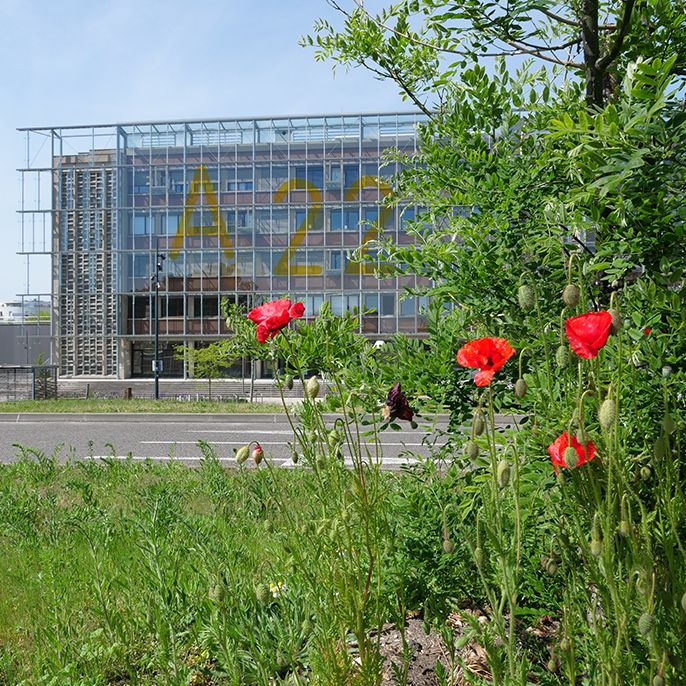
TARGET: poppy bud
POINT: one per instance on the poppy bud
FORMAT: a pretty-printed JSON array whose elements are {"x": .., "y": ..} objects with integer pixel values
[
  {"x": 520, "y": 388},
  {"x": 581, "y": 436},
  {"x": 668, "y": 424},
  {"x": 478, "y": 423},
  {"x": 306, "y": 627},
  {"x": 552, "y": 665},
  {"x": 448, "y": 546},
  {"x": 616, "y": 324},
  {"x": 257, "y": 453},
  {"x": 658, "y": 680},
  {"x": 526, "y": 297},
  {"x": 294, "y": 458},
  {"x": 334, "y": 438},
  {"x": 571, "y": 295},
  {"x": 624, "y": 529},
  {"x": 551, "y": 567},
  {"x": 242, "y": 454},
  {"x": 479, "y": 556},
  {"x": 683, "y": 602},
  {"x": 503, "y": 473},
  {"x": 263, "y": 594},
  {"x": 596, "y": 547},
  {"x": 472, "y": 450},
  {"x": 562, "y": 357},
  {"x": 288, "y": 382},
  {"x": 646, "y": 473},
  {"x": 607, "y": 414},
  {"x": 666, "y": 371},
  {"x": 217, "y": 593},
  {"x": 565, "y": 645},
  {"x": 646, "y": 623},
  {"x": 312, "y": 387},
  {"x": 571, "y": 457}
]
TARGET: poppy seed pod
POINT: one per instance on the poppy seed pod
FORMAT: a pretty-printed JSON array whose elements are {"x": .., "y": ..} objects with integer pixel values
[
  {"x": 503, "y": 473},
  {"x": 571, "y": 457},
  {"x": 520, "y": 388},
  {"x": 571, "y": 295},
  {"x": 646, "y": 623},
  {"x": 607, "y": 413},
  {"x": 526, "y": 297},
  {"x": 257, "y": 453},
  {"x": 562, "y": 357},
  {"x": 288, "y": 382},
  {"x": 312, "y": 387},
  {"x": 616, "y": 324},
  {"x": 448, "y": 546},
  {"x": 472, "y": 450},
  {"x": 242, "y": 454}
]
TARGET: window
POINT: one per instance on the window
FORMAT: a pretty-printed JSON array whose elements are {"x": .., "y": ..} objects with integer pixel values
[
  {"x": 174, "y": 307},
  {"x": 387, "y": 304},
  {"x": 141, "y": 180},
  {"x": 407, "y": 307},
  {"x": 335, "y": 260},
  {"x": 371, "y": 302},
  {"x": 141, "y": 225}
]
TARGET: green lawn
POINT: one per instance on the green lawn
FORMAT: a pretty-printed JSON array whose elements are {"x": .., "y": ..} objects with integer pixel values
[{"x": 137, "y": 405}]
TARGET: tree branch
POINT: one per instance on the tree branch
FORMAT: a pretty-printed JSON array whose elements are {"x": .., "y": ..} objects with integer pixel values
[
  {"x": 401, "y": 82},
  {"x": 558, "y": 18},
  {"x": 604, "y": 62}
]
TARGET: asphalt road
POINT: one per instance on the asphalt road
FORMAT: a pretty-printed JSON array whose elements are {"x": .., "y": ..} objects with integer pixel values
[{"x": 165, "y": 437}]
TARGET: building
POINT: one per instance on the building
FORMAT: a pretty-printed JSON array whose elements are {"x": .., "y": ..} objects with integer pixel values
[
  {"x": 26, "y": 310},
  {"x": 244, "y": 209}
]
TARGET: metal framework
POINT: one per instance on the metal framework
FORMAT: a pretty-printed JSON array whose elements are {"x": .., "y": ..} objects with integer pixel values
[{"x": 243, "y": 209}]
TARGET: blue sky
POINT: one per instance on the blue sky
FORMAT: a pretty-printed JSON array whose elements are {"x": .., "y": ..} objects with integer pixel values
[{"x": 78, "y": 62}]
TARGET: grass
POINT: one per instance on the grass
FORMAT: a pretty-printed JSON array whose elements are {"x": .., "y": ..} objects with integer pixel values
[
  {"x": 130, "y": 573},
  {"x": 137, "y": 405}
]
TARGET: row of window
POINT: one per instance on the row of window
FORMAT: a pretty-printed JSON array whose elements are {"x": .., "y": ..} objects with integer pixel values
[
  {"x": 271, "y": 177},
  {"x": 247, "y": 263},
  {"x": 383, "y": 304},
  {"x": 272, "y": 220}
]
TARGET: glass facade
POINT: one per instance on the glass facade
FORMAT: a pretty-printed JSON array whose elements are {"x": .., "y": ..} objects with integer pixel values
[{"x": 242, "y": 210}]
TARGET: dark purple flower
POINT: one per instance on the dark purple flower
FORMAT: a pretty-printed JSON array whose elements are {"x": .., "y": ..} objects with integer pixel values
[{"x": 396, "y": 406}]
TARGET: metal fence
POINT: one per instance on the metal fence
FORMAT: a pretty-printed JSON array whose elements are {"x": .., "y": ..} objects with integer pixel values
[{"x": 28, "y": 382}]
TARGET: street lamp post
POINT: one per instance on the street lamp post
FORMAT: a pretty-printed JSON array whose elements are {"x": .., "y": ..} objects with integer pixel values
[{"x": 155, "y": 278}]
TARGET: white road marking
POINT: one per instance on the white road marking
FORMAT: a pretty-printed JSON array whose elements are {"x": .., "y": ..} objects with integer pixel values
[
  {"x": 282, "y": 462},
  {"x": 370, "y": 445}
]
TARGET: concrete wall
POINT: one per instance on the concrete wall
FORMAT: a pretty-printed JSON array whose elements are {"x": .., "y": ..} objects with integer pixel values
[{"x": 23, "y": 344}]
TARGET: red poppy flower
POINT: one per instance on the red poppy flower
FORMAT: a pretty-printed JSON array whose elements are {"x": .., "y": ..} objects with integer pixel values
[
  {"x": 396, "y": 406},
  {"x": 588, "y": 333},
  {"x": 274, "y": 316},
  {"x": 557, "y": 449},
  {"x": 647, "y": 330},
  {"x": 486, "y": 354}
]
